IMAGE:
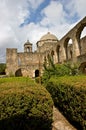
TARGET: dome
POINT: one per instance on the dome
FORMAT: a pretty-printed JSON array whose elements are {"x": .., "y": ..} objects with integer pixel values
[{"x": 48, "y": 36}]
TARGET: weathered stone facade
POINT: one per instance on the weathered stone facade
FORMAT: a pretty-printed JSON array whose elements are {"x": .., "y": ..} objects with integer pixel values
[{"x": 30, "y": 63}]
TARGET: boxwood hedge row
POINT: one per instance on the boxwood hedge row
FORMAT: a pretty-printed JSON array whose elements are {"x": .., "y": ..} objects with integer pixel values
[
  {"x": 24, "y": 105},
  {"x": 69, "y": 95}
]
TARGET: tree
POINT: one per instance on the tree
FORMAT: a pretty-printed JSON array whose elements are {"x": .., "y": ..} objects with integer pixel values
[
  {"x": 58, "y": 69},
  {"x": 49, "y": 70},
  {"x": 2, "y": 68}
]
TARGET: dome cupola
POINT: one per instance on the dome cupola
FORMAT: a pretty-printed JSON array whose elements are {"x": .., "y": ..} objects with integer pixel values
[{"x": 48, "y": 36}]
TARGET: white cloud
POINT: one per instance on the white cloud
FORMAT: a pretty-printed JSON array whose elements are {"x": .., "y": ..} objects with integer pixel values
[
  {"x": 80, "y": 7},
  {"x": 35, "y": 3},
  {"x": 75, "y": 7},
  {"x": 55, "y": 19},
  {"x": 53, "y": 13}
]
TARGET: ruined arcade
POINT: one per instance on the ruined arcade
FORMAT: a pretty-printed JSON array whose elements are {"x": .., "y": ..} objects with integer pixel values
[{"x": 30, "y": 63}]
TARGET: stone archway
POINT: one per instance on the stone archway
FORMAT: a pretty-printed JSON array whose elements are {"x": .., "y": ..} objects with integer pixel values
[
  {"x": 18, "y": 72},
  {"x": 47, "y": 59},
  {"x": 37, "y": 73},
  {"x": 52, "y": 55},
  {"x": 78, "y": 35},
  {"x": 83, "y": 33},
  {"x": 68, "y": 44},
  {"x": 58, "y": 53},
  {"x": 83, "y": 67}
]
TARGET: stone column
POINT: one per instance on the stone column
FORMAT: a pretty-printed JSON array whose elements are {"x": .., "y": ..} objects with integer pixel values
[
  {"x": 62, "y": 53},
  {"x": 76, "y": 49}
]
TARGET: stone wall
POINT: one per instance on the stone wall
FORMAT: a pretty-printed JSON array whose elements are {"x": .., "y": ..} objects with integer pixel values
[
  {"x": 83, "y": 45},
  {"x": 11, "y": 61}
]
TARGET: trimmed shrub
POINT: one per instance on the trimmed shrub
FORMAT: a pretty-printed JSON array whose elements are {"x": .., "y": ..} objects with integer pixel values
[
  {"x": 24, "y": 105},
  {"x": 69, "y": 95}
]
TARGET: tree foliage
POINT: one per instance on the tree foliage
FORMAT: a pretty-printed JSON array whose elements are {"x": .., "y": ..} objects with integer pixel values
[
  {"x": 52, "y": 69},
  {"x": 2, "y": 68}
]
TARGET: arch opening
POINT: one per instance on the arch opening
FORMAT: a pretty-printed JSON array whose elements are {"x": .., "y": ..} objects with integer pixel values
[
  {"x": 83, "y": 33},
  {"x": 48, "y": 59},
  {"x": 52, "y": 55},
  {"x": 82, "y": 67},
  {"x": 81, "y": 38},
  {"x": 58, "y": 53},
  {"x": 83, "y": 41},
  {"x": 37, "y": 73},
  {"x": 18, "y": 73},
  {"x": 68, "y": 44},
  {"x": 28, "y": 49}
]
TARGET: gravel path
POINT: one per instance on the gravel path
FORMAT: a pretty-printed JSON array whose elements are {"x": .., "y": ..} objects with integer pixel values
[{"x": 60, "y": 122}]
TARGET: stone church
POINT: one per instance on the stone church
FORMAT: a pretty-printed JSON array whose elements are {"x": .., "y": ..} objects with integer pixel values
[{"x": 69, "y": 48}]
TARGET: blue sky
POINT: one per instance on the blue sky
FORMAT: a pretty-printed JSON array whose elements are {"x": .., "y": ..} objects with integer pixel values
[
  {"x": 30, "y": 19},
  {"x": 35, "y": 15}
]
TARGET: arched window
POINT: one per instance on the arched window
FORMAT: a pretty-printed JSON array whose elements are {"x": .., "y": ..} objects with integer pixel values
[
  {"x": 36, "y": 73},
  {"x": 52, "y": 55}
]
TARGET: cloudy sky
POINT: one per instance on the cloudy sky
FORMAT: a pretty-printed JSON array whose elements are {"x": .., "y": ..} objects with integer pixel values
[{"x": 22, "y": 20}]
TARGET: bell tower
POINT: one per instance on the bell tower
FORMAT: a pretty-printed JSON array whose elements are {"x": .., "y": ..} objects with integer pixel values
[{"x": 28, "y": 46}]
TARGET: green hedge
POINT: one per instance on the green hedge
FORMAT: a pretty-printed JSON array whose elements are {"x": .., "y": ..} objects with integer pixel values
[
  {"x": 69, "y": 95},
  {"x": 24, "y": 105}
]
